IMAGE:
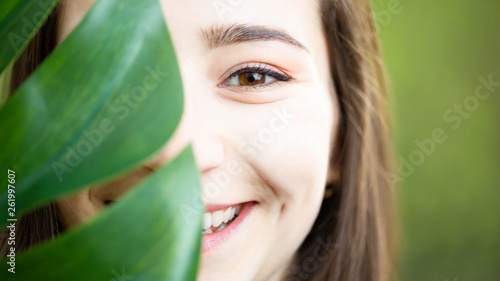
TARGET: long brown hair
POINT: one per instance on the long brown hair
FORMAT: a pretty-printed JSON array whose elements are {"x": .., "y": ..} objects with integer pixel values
[{"x": 352, "y": 236}]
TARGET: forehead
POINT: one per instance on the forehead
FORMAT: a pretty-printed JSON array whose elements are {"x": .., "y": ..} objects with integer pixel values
[
  {"x": 298, "y": 18},
  {"x": 188, "y": 19}
]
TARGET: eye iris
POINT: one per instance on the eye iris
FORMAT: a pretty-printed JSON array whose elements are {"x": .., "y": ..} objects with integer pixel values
[{"x": 250, "y": 79}]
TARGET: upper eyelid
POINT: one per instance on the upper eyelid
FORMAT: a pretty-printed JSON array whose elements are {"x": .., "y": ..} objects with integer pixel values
[
  {"x": 260, "y": 86},
  {"x": 230, "y": 72},
  {"x": 265, "y": 71}
]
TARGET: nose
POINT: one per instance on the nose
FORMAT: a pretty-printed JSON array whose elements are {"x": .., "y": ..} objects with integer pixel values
[{"x": 198, "y": 128}]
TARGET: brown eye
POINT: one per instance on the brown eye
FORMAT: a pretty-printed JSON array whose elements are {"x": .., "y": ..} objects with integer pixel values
[
  {"x": 251, "y": 79},
  {"x": 254, "y": 78}
]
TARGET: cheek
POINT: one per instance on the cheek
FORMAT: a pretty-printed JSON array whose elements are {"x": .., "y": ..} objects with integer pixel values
[
  {"x": 295, "y": 162},
  {"x": 77, "y": 208},
  {"x": 71, "y": 15},
  {"x": 295, "y": 154}
]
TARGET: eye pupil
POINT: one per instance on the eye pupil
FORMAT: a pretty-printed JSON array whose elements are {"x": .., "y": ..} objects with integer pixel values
[{"x": 251, "y": 78}]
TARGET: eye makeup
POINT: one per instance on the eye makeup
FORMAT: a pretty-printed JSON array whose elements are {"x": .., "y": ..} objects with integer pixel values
[{"x": 254, "y": 77}]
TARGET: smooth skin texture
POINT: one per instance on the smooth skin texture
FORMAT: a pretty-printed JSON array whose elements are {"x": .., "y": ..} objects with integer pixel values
[{"x": 273, "y": 138}]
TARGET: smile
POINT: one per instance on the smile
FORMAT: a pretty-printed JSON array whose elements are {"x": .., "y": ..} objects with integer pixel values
[
  {"x": 221, "y": 223},
  {"x": 218, "y": 220}
]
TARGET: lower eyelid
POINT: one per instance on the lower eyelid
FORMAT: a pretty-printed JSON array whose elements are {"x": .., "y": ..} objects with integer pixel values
[{"x": 261, "y": 87}]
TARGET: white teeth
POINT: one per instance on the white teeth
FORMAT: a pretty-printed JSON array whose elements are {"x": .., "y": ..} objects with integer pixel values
[
  {"x": 217, "y": 218},
  {"x": 222, "y": 226},
  {"x": 227, "y": 215},
  {"x": 207, "y": 220}
]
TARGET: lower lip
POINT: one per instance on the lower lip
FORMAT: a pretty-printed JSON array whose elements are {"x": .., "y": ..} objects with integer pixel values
[{"x": 213, "y": 240}]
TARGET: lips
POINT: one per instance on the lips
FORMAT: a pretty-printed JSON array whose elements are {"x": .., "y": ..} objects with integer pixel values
[
  {"x": 222, "y": 223},
  {"x": 218, "y": 220}
]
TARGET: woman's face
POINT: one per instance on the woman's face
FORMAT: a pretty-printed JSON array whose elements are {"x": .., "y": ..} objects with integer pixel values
[{"x": 261, "y": 114}]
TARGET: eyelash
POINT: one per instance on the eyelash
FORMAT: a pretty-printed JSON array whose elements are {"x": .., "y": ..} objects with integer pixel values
[{"x": 257, "y": 69}]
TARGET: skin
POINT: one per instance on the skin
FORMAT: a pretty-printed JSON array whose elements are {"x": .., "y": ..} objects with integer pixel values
[{"x": 286, "y": 173}]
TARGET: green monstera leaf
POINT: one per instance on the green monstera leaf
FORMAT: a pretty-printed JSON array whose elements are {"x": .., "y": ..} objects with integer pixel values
[
  {"x": 107, "y": 99},
  {"x": 142, "y": 237},
  {"x": 19, "y": 21}
]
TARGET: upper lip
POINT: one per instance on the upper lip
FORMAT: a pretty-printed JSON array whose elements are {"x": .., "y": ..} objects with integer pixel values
[{"x": 209, "y": 208}]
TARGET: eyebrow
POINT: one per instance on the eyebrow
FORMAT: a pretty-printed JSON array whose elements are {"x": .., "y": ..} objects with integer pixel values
[{"x": 219, "y": 36}]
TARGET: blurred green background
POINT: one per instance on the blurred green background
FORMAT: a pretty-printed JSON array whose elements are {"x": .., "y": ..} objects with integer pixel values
[{"x": 449, "y": 200}]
